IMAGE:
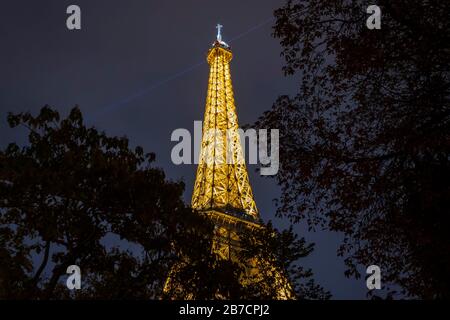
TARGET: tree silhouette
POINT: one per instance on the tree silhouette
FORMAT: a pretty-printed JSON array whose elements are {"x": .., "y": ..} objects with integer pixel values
[
  {"x": 73, "y": 195},
  {"x": 70, "y": 189},
  {"x": 277, "y": 255},
  {"x": 365, "y": 143}
]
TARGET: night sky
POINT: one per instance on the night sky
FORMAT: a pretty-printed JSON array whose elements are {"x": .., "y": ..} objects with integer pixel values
[{"x": 137, "y": 68}]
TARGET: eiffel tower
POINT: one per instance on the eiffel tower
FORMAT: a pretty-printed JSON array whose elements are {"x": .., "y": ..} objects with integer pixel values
[
  {"x": 222, "y": 189},
  {"x": 222, "y": 186}
]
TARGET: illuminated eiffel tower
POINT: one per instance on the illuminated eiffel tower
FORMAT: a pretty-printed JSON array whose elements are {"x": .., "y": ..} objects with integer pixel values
[
  {"x": 222, "y": 189},
  {"x": 222, "y": 186}
]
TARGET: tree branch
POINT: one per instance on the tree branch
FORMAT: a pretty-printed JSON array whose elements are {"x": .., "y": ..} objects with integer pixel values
[{"x": 43, "y": 264}]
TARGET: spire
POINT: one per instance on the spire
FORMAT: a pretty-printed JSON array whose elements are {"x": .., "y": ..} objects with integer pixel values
[{"x": 219, "y": 37}]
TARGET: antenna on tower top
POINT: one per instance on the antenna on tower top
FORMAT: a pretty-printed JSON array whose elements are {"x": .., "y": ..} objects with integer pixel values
[
  {"x": 219, "y": 35},
  {"x": 219, "y": 29}
]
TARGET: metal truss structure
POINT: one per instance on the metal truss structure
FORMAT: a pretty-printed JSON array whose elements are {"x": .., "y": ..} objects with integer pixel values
[{"x": 222, "y": 182}]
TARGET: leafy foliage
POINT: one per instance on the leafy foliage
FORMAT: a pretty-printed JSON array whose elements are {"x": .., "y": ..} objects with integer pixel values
[
  {"x": 365, "y": 144},
  {"x": 77, "y": 196},
  {"x": 277, "y": 256},
  {"x": 73, "y": 195}
]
